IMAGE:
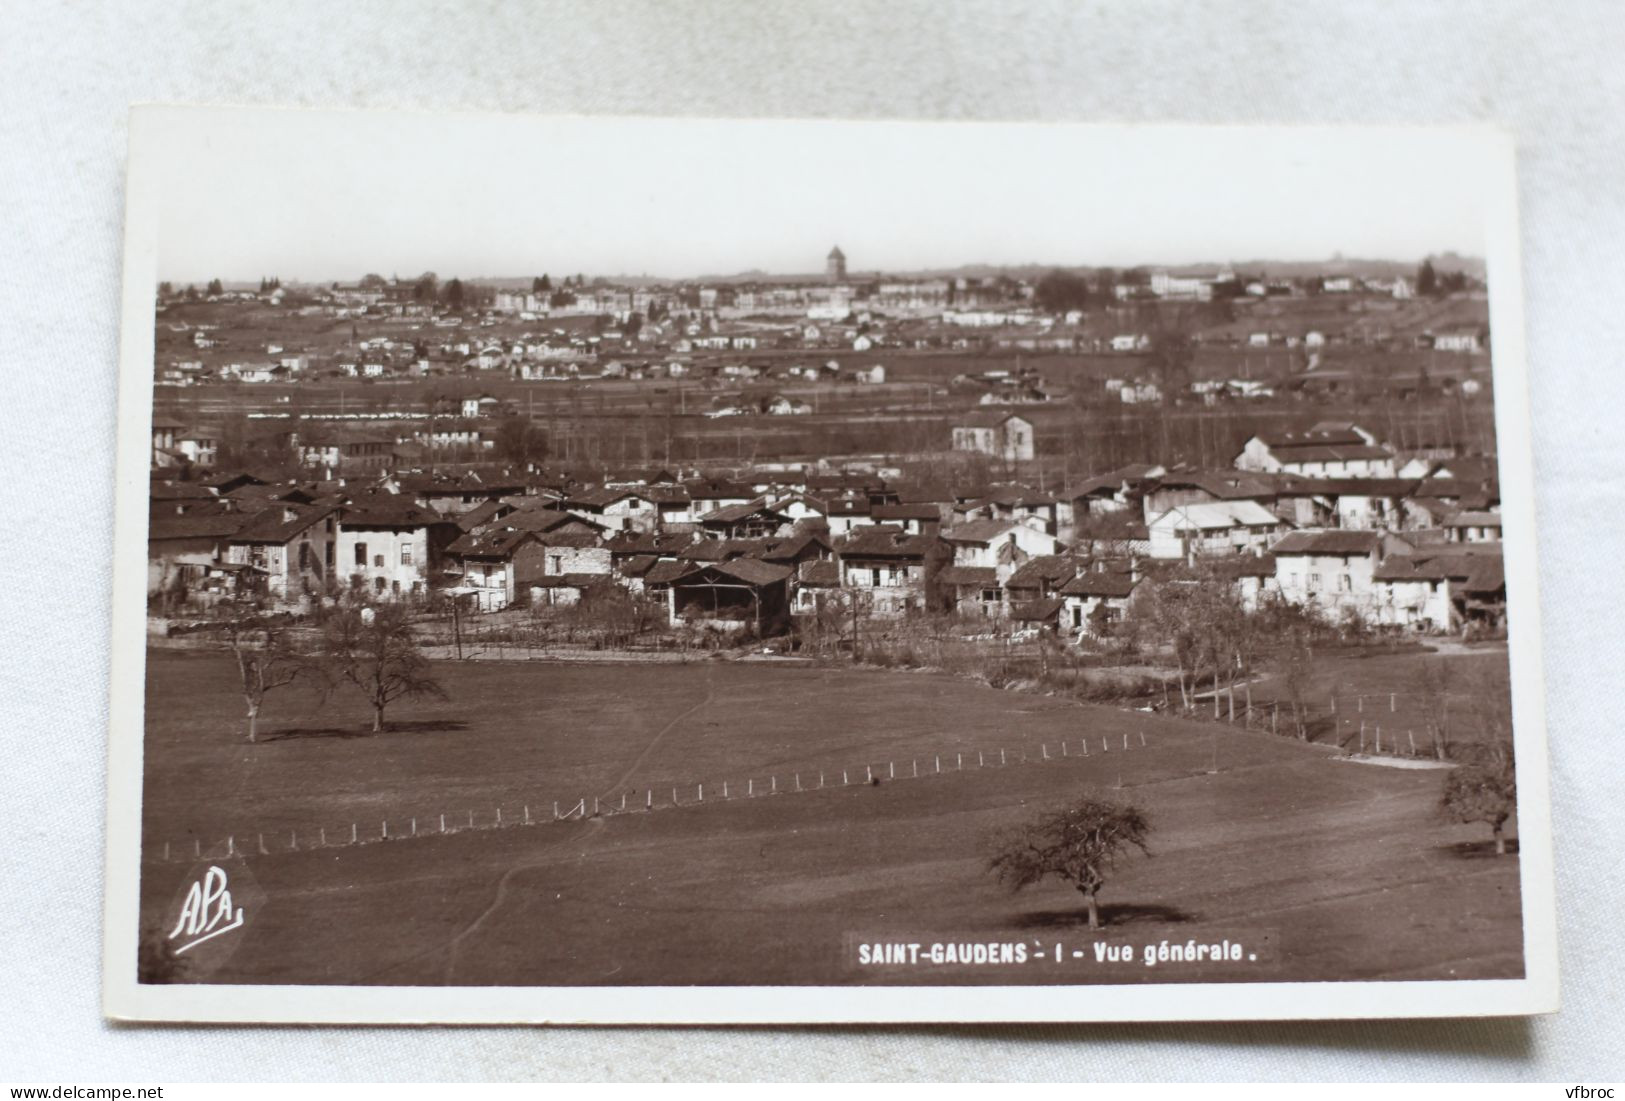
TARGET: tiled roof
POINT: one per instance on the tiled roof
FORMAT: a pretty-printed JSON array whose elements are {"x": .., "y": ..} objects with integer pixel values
[
  {"x": 389, "y": 511},
  {"x": 819, "y": 571},
  {"x": 978, "y": 531},
  {"x": 218, "y": 525},
  {"x": 983, "y": 419},
  {"x": 1100, "y": 583},
  {"x": 883, "y": 541},
  {"x": 602, "y": 498},
  {"x": 280, "y": 524},
  {"x": 1038, "y": 611},
  {"x": 1324, "y": 433},
  {"x": 968, "y": 575},
  {"x": 637, "y": 565},
  {"x": 1045, "y": 567},
  {"x": 749, "y": 570},
  {"x": 491, "y": 544},
  {"x": 1224, "y": 484},
  {"x": 576, "y": 539},
  {"x": 1328, "y": 453},
  {"x": 1327, "y": 542},
  {"x": 733, "y": 514},
  {"x": 1217, "y": 516},
  {"x": 539, "y": 519}
]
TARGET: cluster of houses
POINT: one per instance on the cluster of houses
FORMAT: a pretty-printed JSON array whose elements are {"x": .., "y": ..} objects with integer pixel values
[
  {"x": 1328, "y": 518},
  {"x": 637, "y": 330}
]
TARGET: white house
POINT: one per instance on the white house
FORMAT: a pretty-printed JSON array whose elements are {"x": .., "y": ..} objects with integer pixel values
[
  {"x": 1000, "y": 545},
  {"x": 1324, "y": 451},
  {"x": 1213, "y": 528},
  {"x": 384, "y": 546},
  {"x": 1329, "y": 571},
  {"x": 1005, "y": 436},
  {"x": 1411, "y": 593}
]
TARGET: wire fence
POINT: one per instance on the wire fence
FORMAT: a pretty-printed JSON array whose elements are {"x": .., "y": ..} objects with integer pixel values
[
  {"x": 667, "y": 797},
  {"x": 1443, "y": 726}
]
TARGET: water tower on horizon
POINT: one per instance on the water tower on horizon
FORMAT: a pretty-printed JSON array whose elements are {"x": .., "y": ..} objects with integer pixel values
[{"x": 835, "y": 265}]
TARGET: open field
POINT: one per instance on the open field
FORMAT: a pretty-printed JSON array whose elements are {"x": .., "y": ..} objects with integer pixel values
[
  {"x": 1322, "y": 868},
  {"x": 1391, "y": 691}
]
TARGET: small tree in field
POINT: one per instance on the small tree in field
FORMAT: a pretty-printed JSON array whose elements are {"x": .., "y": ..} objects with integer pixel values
[
  {"x": 1485, "y": 791},
  {"x": 266, "y": 660},
  {"x": 1079, "y": 844},
  {"x": 374, "y": 648}
]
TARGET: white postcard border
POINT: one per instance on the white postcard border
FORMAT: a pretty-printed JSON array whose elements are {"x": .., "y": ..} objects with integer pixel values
[{"x": 126, "y": 999}]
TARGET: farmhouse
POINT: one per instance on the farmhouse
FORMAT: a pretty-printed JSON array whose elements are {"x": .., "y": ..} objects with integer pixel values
[
  {"x": 1005, "y": 436},
  {"x": 1473, "y": 526},
  {"x": 888, "y": 567},
  {"x": 1324, "y": 451},
  {"x": 622, "y": 509},
  {"x": 1174, "y": 488},
  {"x": 1213, "y": 528},
  {"x": 750, "y": 520},
  {"x": 294, "y": 545},
  {"x": 1095, "y": 600},
  {"x": 1328, "y": 571},
  {"x": 1000, "y": 545},
  {"x": 494, "y": 567},
  {"x": 181, "y": 547},
  {"x": 742, "y": 594},
  {"x": 390, "y": 545}
]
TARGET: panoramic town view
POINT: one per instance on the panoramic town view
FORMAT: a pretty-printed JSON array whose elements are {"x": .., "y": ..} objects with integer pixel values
[{"x": 990, "y": 624}]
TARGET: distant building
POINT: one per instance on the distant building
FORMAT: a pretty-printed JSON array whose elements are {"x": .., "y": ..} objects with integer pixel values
[
  {"x": 1328, "y": 450},
  {"x": 835, "y": 265},
  {"x": 1458, "y": 340},
  {"x": 1003, "y": 435}
]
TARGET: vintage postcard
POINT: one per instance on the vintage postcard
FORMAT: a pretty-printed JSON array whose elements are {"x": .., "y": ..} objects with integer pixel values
[{"x": 637, "y": 570}]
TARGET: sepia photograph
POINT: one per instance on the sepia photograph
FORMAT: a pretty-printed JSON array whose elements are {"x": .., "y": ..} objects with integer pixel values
[{"x": 634, "y": 570}]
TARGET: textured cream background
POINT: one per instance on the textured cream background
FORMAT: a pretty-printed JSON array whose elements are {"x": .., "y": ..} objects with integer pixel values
[{"x": 1549, "y": 72}]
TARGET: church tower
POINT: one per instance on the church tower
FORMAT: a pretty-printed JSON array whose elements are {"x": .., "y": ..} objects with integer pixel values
[{"x": 835, "y": 265}]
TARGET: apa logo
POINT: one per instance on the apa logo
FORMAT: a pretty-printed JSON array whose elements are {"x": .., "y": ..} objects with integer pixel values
[{"x": 207, "y": 911}]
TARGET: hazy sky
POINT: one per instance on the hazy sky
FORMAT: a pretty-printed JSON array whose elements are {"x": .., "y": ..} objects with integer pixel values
[{"x": 332, "y": 195}]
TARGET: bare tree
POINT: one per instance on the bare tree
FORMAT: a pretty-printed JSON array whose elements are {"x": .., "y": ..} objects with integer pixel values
[
  {"x": 266, "y": 659},
  {"x": 1433, "y": 681},
  {"x": 374, "y": 648},
  {"x": 1486, "y": 791},
  {"x": 1079, "y": 844},
  {"x": 1297, "y": 667}
]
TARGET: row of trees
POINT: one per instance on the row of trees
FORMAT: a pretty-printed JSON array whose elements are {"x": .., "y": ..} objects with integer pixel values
[{"x": 1430, "y": 282}]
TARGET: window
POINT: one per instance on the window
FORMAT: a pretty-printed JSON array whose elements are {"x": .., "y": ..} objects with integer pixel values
[
  {"x": 304, "y": 556},
  {"x": 327, "y": 558},
  {"x": 361, "y": 554},
  {"x": 1345, "y": 583},
  {"x": 1314, "y": 581},
  {"x": 406, "y": 554},
  {"x": 378, "y": 560},
  {"x": 378, "y": 584}
]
